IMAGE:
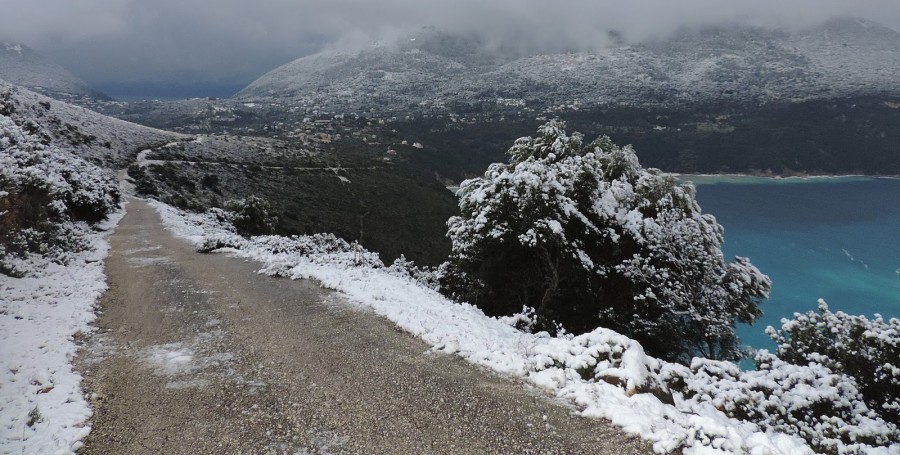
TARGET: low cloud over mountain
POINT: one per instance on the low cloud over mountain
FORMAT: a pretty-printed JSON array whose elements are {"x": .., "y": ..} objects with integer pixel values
[{"x": 230, "y": 42}]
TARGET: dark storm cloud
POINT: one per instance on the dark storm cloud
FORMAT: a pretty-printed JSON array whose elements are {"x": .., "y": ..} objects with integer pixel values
[{"x": 234, "y": 41}]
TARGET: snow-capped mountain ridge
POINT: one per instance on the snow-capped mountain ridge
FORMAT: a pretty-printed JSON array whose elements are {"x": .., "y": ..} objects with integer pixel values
[{"x": 844, "y": 57}]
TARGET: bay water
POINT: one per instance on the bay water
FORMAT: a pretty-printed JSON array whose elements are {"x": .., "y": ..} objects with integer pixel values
[{"x": 835, "y": 238}]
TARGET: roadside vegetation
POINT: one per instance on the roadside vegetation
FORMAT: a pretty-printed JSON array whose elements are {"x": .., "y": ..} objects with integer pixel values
[
  {"x": 49, "y": 199},
  {"x": 618, "y": 267}
]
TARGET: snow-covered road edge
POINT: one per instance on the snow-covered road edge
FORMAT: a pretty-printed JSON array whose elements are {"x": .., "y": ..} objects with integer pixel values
[
  {"x": 548, "y": 362},
  {"x": 43, "y": 409}
]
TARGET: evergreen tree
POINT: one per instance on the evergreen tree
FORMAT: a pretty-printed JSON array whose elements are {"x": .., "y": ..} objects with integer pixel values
[{"x": 586, "y": 237}]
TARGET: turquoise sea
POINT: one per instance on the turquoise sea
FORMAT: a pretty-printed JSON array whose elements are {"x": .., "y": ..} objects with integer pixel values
[{"x": 832, "y": 238}]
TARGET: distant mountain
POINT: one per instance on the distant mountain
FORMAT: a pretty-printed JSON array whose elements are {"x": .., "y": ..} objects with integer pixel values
[
  {"x": 103, "y": 140},
  {"x": 844, "y": 57},
  {"x": 855, "y": 55},
  {"x": 406, "y": 71},
  {"x": 21, "y": 65}
]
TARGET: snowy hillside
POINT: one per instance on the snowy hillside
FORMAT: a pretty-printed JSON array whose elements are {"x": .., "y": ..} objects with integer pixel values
[
  {"x": 23, "y": 66},
  {"x": 100, "y": 139},
  {"x": 744, "y": 64},
  {"x": 853, "y": 54},
  {"x": 382, "y": 72}
]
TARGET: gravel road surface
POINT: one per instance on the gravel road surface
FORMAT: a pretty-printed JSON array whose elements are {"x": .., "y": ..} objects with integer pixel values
[{"x": 197, "y": 354}]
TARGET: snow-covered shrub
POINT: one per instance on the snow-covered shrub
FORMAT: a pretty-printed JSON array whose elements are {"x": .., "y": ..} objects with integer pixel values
[
  {"x": 866, "y": 350},
  {"x": 523, "y": 320},
  {"x": 44, "y": 192},
  {"x": 588, "y": 238},
  {"x": 317, "y": 249},
  {"x": 251, "y": 216},
  {"x": 821, "y": 406},
  {"x": 428, "y": 277},
  {"x": 23, "y": 251},
  {"x": 213, "y": 242},
  {"x": 222, "y": 233},
  {"x": 602, "y": 355},
  {"x": 219, "y": 231}
]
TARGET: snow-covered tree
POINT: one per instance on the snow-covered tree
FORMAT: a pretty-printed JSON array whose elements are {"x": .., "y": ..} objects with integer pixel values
[{"x": 587, "y": 237}]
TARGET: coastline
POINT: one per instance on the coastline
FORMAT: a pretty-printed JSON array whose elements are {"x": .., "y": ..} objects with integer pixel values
[
  {"x": 749, "y": 179},
  {"x": 758, "y": 179}
]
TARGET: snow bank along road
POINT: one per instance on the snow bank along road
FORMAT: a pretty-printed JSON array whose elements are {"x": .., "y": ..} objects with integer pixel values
[{"x": 198, "y": 354}]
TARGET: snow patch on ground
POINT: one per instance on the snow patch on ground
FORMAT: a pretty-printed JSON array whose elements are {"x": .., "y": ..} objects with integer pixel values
[
  {"x": 179, "y": 359},
  {"x": 42, "y": 407},
  {"x": 171, "y": 359},
  {"x": 554, "y": 363},
  {"x": 138, "y": 262},
  {"x": 145, "y": 249}
]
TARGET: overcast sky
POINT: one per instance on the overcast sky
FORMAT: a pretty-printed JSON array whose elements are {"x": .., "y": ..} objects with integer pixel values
[{"x": 224, "y": 43}]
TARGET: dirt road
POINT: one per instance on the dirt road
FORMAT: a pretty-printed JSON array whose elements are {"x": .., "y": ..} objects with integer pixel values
[{"x": 197, "y": 354}]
